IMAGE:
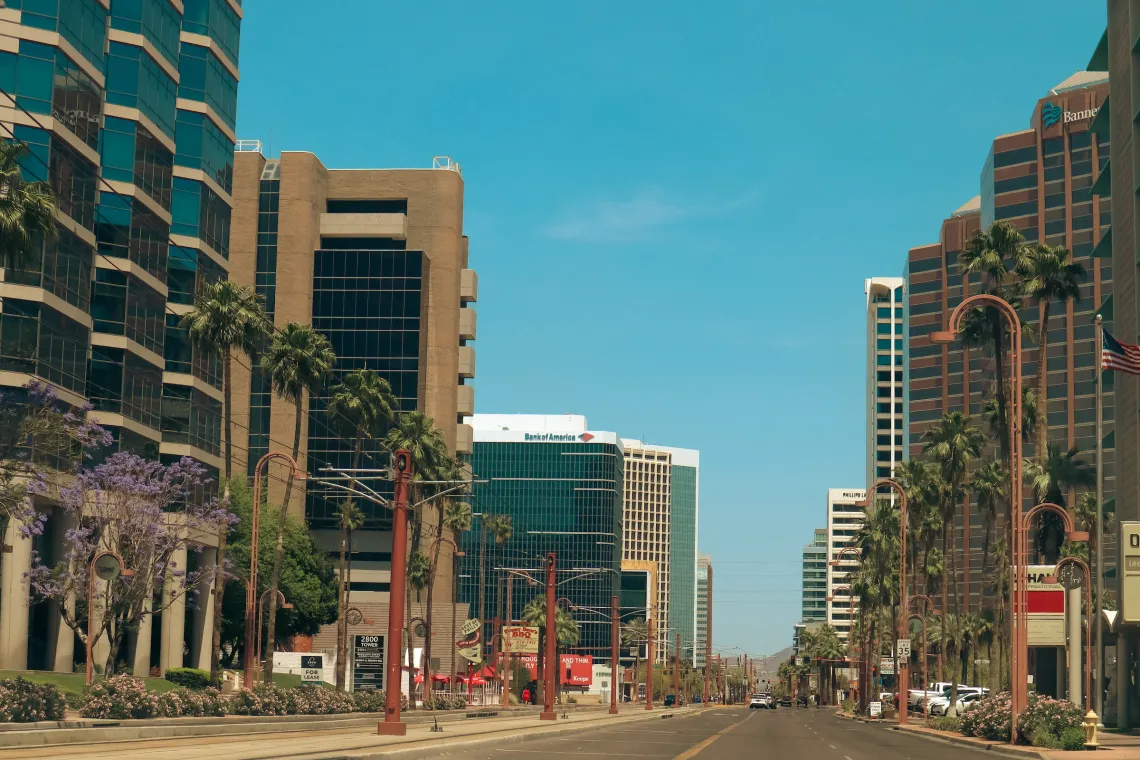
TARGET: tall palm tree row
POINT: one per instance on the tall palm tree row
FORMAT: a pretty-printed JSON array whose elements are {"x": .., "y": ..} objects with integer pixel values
[
  {"x": 299, "y": 360},
  {"x": 362, "y": 404},
  {"x": 227, "y": 318}
]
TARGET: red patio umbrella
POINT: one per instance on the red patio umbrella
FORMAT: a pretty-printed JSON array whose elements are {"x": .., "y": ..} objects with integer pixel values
[{"x": 477, "y": 680}]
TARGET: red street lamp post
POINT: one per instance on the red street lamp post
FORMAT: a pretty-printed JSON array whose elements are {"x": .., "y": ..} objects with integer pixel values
[
  {"x": 1018, "y": 665},
  {"x": 1080, "y": 563},
  {"x": 392, "y": 726},
  {"x": 551, "y": 634},
  {"x": 260, "y": 613},
  {"x": 108, "y": 566},
  {"x": 850, "y": 618},
  {"x": 252, "y": 624}
]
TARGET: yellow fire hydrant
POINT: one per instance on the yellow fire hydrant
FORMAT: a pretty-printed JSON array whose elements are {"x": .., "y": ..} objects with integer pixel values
[{"x": 1090, "y": 730}]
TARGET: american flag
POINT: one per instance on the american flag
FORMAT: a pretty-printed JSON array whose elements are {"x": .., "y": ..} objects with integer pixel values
[{"x": 1119, "y": 356}]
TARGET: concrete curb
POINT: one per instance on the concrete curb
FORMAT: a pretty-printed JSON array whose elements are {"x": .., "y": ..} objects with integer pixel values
[
  {"x": 101, "y": 731},
  {"x": 433, "y": 747},
  {"x": 963, "y": 741}
]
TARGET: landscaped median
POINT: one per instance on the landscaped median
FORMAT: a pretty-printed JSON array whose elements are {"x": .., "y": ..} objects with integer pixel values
[{"x": 1045, "y": 724}]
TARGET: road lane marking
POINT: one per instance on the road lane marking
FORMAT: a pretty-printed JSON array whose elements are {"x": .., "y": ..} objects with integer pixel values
[
  {"x": 833, "y": 746},
  {"x": 694, "y": 751},
  {"x": 846, "y": 757}
]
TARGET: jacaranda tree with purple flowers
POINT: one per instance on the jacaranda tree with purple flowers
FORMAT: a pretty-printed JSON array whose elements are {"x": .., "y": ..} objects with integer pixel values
[
  {"x": 43, "y": 442},
  {"x": 144, "y": 511}
]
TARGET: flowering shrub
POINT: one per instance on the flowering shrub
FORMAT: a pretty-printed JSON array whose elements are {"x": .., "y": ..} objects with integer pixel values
[
  {"x": 118, "y": 697},
  {"x": 179, "y": 703},
  {"x": 1045, "y": 714},
  {"x": 369, "y": 701},
  {"x": 26, "y": 702},
  {"x": 317, "y": 700},
  {"x": 263, "y": 699},
  {"x": 988, "y": 718}
]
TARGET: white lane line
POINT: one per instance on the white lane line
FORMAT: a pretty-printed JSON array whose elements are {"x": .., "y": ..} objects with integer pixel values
[
  {"x": 832, "y": 746},
  {"x": 846, "y": 757}
]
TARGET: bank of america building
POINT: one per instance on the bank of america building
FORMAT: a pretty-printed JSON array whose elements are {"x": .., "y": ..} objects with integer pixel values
[{"x": 561, "y": 485}]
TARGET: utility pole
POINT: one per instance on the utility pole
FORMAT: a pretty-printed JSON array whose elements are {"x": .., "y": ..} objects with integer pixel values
[
  {"x": 392, "y": 726},
  {"x": 649, "y": 662},
  {"x": 551, "y": 635},
  {"x": 677, "y": 673},
  {"x": 708, "y": 635},
  {"x": 613, "y": 655},
  {"x": 507, "y": 648}
]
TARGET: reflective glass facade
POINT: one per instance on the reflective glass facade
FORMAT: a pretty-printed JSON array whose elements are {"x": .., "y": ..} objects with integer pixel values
[
  {"x": 144, "y": 144},
  {"x": 561, "y": 497},
  {"x": 367, "y": 303},
  {"x": 814, "y": 589},
  {"x": 683, "y": 555}
]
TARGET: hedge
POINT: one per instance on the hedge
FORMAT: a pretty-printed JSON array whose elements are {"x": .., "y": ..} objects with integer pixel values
[
  {"x": 122, "y": 697},
  {"x": 191, "y": 678}
]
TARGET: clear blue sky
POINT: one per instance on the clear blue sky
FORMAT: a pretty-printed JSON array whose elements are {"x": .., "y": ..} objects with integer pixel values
[{"x": 672, "y": 207}]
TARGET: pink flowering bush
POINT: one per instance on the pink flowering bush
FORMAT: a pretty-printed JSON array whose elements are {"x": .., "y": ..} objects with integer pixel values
[
  {"x": 370, "y": 701},
  {"x": 118, "y": 697},
  {"x": 179, "y": 703},
  {"x": 1046, "y": 715},
  {"x": 988, "y": 718},
  {"x": 26, "y": 702},
  {"x": 317, "y": 700},
  {"x": 262, "y": 699}
]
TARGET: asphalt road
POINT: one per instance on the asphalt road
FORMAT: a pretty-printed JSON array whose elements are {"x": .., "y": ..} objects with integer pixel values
[{"x": 732, "y": 733}]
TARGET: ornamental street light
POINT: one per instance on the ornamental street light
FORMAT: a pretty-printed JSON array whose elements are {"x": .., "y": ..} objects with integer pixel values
[
  {"x": 1018, "y": 691},
  {"x": 1076, "y": 647},
  {"x": 252, "y": 625},
  {"x": 284, "y": 605},
  {"x": 107, "y": 566}
]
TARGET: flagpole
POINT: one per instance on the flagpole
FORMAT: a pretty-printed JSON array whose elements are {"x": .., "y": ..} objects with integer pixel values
[{"x": 1099, "y": 702}]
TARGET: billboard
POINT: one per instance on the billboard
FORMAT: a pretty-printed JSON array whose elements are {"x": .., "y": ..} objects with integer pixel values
[
  {"x": 521, "y": 639},
  {"x": 1130, "y": 572},
  {"x": 574, "y": 670}
]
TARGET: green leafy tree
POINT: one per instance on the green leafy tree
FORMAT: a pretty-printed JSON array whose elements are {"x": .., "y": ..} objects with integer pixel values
[
  {"x": 362, "y": 403},
  {"x": 1052, "y": 477},
  {"x": 227, "y": 318},
  {"x": 27, "y": 211},
  {"x": 299, "y": 360},
  {"x": 1048, "y": 274},
  {"x": 633, "y": 634},
  {"x": 457, "y": 519},
  {"x": 566, "y": 633},
  {"x": 308, "y": 577}
]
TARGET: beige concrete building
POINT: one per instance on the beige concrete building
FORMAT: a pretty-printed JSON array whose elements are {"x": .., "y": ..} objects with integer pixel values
[{"x": 376, "y": 260}]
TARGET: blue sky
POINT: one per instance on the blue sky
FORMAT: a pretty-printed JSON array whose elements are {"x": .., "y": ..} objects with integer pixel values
[{"x": 672, "y": 208}]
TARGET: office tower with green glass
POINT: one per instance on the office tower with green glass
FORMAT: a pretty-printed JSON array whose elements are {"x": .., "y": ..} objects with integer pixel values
[
  {"x": 128, "y": 111},
  {"x": 814, "y": 592},
  {"x": 561, "y": 485}
]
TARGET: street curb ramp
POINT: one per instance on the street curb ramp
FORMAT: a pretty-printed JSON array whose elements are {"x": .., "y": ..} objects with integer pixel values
[{"x": 435, "y": 747}]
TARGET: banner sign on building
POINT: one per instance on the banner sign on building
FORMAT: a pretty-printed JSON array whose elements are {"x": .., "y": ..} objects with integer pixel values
[
  {"x": 523, "y": 639},
  {"x": 367, "y": 663},
  {"x": 1130, "y": 575},
  {"x": 1046, "y": 610}
]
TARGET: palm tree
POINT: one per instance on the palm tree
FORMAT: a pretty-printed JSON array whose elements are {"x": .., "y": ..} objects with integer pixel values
[
  {"x": 361, "y": 403},
  {"x": 953, "y": 442},
  {"x": 419, "y": 571},
  {"x": 1084, "y": 513},
  {"x": 227, "y": 318},
  {"x": 27, "y": 211},
  {"x": 826, "y": 647},
  {"x": 989, "y": 253},
  {"x": 632, "y": 634},
  {"x": 990, "y": 484},
  {"x": 457, "y": 519},
  {"x": 1048, "y": 275},
  {"x": 298, "y": 359},
  {"x": 1051, "y": 477},
  {"x": 501, "y": 529},
  {"x": 566, "y": 632},
  {"x": 920, "y": 481}
]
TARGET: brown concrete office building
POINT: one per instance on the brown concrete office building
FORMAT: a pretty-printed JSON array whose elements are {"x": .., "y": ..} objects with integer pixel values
[
  {"x": 1041, "y": 180},
  {"x": 376, "y": 260}
]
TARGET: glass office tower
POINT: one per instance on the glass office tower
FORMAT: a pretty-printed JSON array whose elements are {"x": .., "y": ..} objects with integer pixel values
[{"x": 561, "y": 485}]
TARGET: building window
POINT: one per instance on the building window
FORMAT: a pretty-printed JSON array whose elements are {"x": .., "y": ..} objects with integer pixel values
[
  {"x": 156, "y": 20},
  {"x": 46, "y": 81},
  {"x": 120, "y": 382},
  {"x": 191, "y": 417},
  {"x": 70, "y": 175},
  {"x": 201, "y": 145},
  {"x": 202, "y": 77},
  {"x": 214, "y": 19},
  {"x": 63, "y": 268},
  {"x": 200, "y": 212},
  {"x": 38, "y": 340},
  {"x": 83, "y": 23},
  {"x": 127, "y": 229},
  {"x": 132, "y": 154},
  {"x": 190, "y": 271},
  {"x": 135, "y": 80}
]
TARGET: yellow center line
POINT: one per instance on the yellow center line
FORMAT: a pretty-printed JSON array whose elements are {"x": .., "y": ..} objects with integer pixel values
[{"x": 698, "y": 749}]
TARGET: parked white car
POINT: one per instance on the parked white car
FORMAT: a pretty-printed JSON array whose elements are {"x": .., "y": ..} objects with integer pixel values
[
  {"x": 933, "y": 691},
  {"x": 942, "y": 704}
]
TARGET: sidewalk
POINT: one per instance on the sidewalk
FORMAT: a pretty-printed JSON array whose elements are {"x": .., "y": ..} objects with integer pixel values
[
  {"x": 355, "y": 743},
  {"x": 1121, "y": 747}
]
